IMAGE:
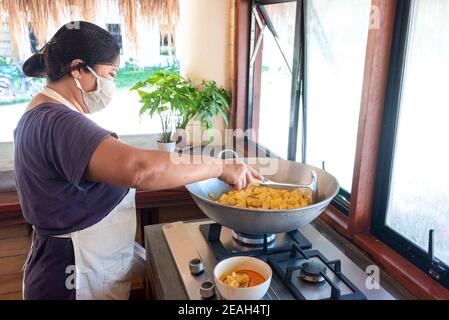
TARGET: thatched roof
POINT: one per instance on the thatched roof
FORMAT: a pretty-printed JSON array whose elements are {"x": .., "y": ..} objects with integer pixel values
[{"x": 39, "y": 14}]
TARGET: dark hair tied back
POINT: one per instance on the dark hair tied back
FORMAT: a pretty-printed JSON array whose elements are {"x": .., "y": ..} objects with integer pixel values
[
  {"x": 35, "y": 66},
  {"x": 87, "y": 42}
]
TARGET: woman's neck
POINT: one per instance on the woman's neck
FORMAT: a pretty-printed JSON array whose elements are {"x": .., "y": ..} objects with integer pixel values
[{"x": 67, "y": 89}]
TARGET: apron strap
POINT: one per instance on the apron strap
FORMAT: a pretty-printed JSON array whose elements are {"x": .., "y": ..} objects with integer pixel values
[
  {"x": 30, "y": 249},
  {"x": 56, "y": 96}
]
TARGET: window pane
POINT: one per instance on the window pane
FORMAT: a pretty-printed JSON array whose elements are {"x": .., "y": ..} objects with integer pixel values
[
  {"x": 275, "y": 91},
  {"x": 419, "y": 196},
  {"x": 336, "y": 38},
  {"x": 122, "y": 116},
  {"x": 114, "y": 29}
]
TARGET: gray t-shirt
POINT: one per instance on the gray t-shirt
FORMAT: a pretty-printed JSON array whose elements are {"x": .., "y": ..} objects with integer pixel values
[{"x": 53, "y": 146}]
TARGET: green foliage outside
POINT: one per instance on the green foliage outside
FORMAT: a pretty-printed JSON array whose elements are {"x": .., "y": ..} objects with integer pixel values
[
  {"x": 16, "y": 88},
  {"x": 128, "y": 76}
]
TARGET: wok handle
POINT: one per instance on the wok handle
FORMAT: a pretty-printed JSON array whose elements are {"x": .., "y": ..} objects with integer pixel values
[{"x": 223, "y": 152}]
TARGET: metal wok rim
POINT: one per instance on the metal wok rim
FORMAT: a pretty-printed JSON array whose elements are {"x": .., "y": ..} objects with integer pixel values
[{"x": 251, "y": 210}]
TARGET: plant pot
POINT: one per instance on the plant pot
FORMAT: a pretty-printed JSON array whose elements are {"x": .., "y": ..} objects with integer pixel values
[
  {"x": 181, "y": 136},
  {"x": 166, "y": 146}
]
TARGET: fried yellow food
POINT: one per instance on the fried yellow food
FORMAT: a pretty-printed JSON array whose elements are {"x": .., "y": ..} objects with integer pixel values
[
  {"x": 264, "y": 198},
  {"x": 242, "y": 279},
  {"x": 236, "y": 280}
]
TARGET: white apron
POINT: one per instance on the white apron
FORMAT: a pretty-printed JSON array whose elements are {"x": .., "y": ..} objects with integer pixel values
[
  {"x": 104, "y": 254},
  {"x": 104, "y": 251}
]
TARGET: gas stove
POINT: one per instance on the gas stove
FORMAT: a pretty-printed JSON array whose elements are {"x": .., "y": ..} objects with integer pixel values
[{"x": 306, "y": 265}]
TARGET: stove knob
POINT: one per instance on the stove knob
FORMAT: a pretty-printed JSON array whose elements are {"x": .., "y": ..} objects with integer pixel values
[
  {"x": 207, "y": 290},
  {"x": 196, "y": 267}
]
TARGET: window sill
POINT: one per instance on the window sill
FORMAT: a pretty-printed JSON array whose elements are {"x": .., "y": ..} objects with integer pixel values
[
  {"x": 417, "y": 282},
  {"x": 337, "y": 220}
]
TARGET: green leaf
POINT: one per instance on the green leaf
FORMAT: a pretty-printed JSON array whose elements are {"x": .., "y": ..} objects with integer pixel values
[
  {"x": 225, "y": 117},
  {"x": 141, "y": 93},
  {"x": 138, "y": 85}
]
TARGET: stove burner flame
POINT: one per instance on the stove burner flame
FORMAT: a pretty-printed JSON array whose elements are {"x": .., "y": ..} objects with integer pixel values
[{"x": 311, "y": 271}]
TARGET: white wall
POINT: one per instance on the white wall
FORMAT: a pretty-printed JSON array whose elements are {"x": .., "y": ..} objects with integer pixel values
[{"x": 203, "y": 40}]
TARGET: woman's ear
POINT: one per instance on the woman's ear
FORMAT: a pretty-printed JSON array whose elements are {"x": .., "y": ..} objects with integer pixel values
[{"x": 75, "y": 67}]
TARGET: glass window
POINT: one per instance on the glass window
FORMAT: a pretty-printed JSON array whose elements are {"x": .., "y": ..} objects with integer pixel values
[
  {"x": 115, "y": 30},
  {"x": 164, "y": 48},
  {"x": 276, "y": 78},
  {"x": 336, "y": 38},
  {"x": 419, "y": 190},
  {"x": 122, "y": 116}
]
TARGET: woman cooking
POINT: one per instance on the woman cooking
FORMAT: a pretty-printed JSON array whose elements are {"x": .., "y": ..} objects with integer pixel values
[{"x": 76, "y": 181}]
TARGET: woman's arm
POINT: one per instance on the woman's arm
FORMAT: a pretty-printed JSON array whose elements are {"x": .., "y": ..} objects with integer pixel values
[{"x": 119, "y": 164}]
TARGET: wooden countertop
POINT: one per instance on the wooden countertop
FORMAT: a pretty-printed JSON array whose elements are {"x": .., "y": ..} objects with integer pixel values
[
  {"x": 9, "y": 201},
  {"x": 10, "y": 210}
]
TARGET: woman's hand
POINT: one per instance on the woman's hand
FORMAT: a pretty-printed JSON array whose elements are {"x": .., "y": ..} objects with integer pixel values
[{"x": 239, "y": 175}]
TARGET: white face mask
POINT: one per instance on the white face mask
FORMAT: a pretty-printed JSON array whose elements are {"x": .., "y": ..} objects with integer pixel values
[{"x": 101, "y": 97}]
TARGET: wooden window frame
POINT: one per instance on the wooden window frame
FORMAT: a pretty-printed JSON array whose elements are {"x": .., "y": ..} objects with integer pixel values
[
  {"x": 241, "y": 61},
  {"x": 356, "y": 225}
]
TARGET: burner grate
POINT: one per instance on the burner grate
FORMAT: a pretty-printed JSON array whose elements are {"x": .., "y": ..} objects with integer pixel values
[
  {"x": 296, "y": 254},
  {"x": 286, "y": 262}
]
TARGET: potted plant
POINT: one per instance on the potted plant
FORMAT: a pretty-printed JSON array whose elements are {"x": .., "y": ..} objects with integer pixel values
[
  {"x": 212, "y": 101},
  {"x": 170, "y": 96},
  {"x": 206, "y": 102},
  {"x": 186, "y": 110},
  {"x": 177, "y": 102}
]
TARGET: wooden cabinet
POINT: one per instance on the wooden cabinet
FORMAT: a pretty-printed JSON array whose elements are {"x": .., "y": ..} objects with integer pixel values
[
  {"x": 152, "y": 208},
  {"x": 14, "y": 241}
]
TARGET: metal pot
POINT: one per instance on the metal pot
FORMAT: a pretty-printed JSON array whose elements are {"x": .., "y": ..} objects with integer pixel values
[{"x": 255, "y": 221}]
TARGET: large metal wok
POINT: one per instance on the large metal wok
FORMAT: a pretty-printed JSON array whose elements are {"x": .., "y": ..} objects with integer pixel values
[{"x": 254, "y": 221}]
